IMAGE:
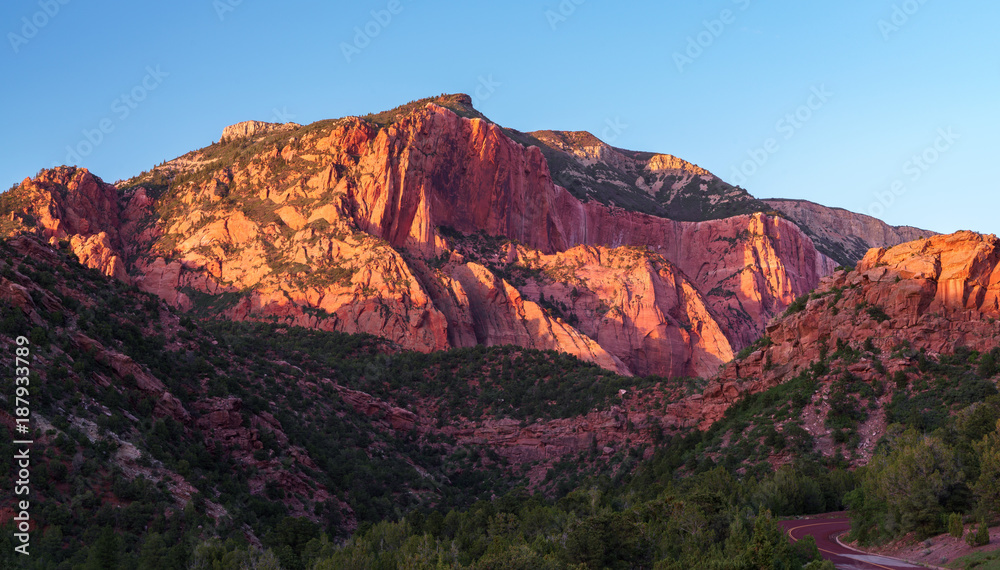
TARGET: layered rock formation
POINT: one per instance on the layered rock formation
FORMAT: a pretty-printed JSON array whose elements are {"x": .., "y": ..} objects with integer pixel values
[
  {"x": 961, "y": 270},
  {"x": 843, "y": 235},
  {"x": 936, "y": 295},
  {"x": 749, "y": 266},
  {"x": 353, "y": 226}
]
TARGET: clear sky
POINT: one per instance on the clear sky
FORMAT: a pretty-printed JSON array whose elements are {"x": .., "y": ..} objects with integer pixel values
[{"x": 887, "y": 107}]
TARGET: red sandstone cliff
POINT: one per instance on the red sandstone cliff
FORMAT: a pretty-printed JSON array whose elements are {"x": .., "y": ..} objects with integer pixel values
[
  {"x": 936, "y": 295},
  {"x": 749, "y": 267},
  {"x": 341, "y": 226}
]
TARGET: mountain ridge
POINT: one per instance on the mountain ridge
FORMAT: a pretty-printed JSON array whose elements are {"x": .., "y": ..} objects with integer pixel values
[
  {"x": 366, "y": 224},
  {"x": 243, "y": 197},
  {"x": 844, "y": 235}
]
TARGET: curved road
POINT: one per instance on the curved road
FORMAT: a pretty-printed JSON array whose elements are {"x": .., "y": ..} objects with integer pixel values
[{"x": 825, "y": 530}]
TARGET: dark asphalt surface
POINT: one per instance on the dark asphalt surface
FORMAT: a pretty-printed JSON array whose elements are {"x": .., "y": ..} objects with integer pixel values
[{"x": 825, "y": 529}]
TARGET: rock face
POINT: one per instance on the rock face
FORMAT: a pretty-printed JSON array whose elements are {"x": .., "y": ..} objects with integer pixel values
[
  {"x": 962, "y": 270},
  {"x": 845, "y": 236},
  {"x": 434, "y": 231},
  {"x": 250, "y": 129},
  {"x": 749, "y": 266},
  {"x": 936, "y": 294},
  {"x": 124, "y": 367},
  {"x": 659, "y": 324},
  {"x": 101, "y": 225}
]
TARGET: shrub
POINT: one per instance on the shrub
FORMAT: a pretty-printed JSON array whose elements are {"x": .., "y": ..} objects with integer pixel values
[
  {"x": 798, "y": 305},
  {"x": 877, "y": 313},
  {"x": 955, "y": 527},
  {"x": 900, "y": 379},
  {"x": 762, "y": 342},
  {"x": 39, "y": 337},
  {"x": 806, "y": 549},
  {"x": 981, "y": 537}
]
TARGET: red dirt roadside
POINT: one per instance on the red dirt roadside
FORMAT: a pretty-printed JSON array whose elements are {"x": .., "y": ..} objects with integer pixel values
[{"x": 825, "y": 529}]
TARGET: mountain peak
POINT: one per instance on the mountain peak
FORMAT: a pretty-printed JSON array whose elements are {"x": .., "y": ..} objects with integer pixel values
[
  {"x": 250, "y": 129},
  {"x": 459, "y": 103}
]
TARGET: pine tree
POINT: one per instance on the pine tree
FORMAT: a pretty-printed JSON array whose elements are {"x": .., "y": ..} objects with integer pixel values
[
  {"x": 105, "y": 554},
  {"x": 987, "y": 365},
  {"x": 981, "y": 537},
  {"x": 987, "y": 487}
]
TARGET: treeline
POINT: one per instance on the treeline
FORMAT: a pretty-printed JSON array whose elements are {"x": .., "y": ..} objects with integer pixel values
[
  {"x": 711, "y": 519},
  {"x": 677, "y": 510},
  {"x": 510, "y": 381}
]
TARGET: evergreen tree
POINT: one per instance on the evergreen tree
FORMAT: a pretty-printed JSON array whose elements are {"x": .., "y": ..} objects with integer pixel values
[
  {"x": 105, "y": 554},
  {"x": 987, "y": 487},
  {"x": 768, "y": 546}
]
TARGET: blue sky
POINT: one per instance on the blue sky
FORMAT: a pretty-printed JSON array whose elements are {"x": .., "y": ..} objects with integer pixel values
[{"x": 885, "y": 107}]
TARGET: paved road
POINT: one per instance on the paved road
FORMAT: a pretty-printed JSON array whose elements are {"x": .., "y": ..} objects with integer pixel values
[{"x": 825, "y": 530}]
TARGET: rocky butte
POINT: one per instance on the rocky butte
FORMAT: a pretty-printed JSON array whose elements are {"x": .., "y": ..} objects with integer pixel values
[{"x": 434, "y": 227}]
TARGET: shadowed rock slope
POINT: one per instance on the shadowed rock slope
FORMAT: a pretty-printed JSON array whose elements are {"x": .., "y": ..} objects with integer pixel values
[{"x": 843, "y": 235}]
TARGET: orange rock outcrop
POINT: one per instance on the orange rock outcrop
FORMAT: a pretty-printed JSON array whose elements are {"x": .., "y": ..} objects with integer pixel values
[{"x": 936, "y": 294}]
